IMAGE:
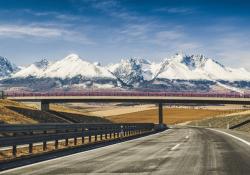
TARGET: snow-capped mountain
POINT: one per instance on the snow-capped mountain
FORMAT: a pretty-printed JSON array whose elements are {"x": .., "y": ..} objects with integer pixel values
[
  {"x": 6, "y": 68},
  {"x": 69, "y": 67},
  {"x": 179, "y": 72},
  {"x": 73, "y": 65},
  {"x": 132, "y": 71},
  {"x": 37, "y": 69},
  {"x": 198, "y": 67}
]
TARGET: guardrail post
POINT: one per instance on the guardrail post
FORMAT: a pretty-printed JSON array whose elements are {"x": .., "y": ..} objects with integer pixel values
[
  {"x": 67, "y": 140},
  {"x": 95, "y": 137},
  {"x": 75, "y": 138},
  {"x": 44, "y": 143},
  {"x": 82, "y": 135},
  {"x": 30, "y": 148},
  {"x": 31, "y": 145},
  {"x": 56, "y": 142},
  {"x": 90, "y": 138},
  {"x": 14, "y": 150}
]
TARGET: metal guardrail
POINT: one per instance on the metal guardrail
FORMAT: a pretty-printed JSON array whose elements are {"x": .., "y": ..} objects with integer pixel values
[
  {"x": 14, "y": 135},
  {"x": 127, "y": 93}
]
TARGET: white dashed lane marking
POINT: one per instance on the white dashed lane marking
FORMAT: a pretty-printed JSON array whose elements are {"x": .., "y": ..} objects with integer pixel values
[{"x": 175, "y": 147}]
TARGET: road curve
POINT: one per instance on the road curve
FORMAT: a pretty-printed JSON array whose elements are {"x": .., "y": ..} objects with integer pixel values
[{"x": 176, "y": 151}]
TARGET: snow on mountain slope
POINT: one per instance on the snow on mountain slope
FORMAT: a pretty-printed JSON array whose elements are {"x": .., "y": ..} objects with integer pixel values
[
  {"x": 73, "y": 65},
  {"x": 217, "y": 72},
  {"x": 69, "y": 67},
  {"x": 234, "y": 89},
  {"x": 37, "y": 69},
  {"x": 198, "y": 67},
  {"x": 181, "y": 67},
  {"x": 6, "y": 68}
]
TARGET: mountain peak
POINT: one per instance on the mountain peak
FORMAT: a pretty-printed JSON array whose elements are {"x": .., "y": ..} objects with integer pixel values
[
  {"x": 135, "y": 60},
  {"x": 72, "y": 57},
  {"x": 194, "y": 61},
  {"x": 6, "y": 67},
  {"x": 42, "y": 64},
  {"x": 97, "y": 63}
]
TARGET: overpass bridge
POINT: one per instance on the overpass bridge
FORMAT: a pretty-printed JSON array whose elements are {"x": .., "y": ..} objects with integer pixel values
[{"x": 159, "y": 98}]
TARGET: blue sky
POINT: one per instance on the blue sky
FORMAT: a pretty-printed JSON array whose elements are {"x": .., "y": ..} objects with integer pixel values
[{"x": 109, "y": 30}]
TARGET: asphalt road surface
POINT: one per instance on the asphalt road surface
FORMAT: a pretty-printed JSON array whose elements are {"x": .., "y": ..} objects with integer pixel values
[{"x": 176, "y": 151}]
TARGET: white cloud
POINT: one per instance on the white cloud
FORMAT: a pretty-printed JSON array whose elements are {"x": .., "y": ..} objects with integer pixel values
[
  {"x": 231, "y": 47},
  {"x": 176, "y": 10},
  {"x": 135, "y": 30},
  {"x": 24, "y": 31},
  {"x": 21, "y": 31},
  {"x": 114, "y": 9},
  {"x": 169, "y": 35}
]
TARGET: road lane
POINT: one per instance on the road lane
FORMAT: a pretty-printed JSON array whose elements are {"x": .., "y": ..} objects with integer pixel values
[{"x": 176, "y": 151}]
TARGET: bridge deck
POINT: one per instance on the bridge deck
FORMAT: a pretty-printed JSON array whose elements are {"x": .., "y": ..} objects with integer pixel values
[{"x": 144, "y": 99}]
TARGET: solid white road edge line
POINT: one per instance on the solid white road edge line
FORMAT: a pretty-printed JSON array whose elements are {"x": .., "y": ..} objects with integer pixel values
[
  {"x": 71, "y": 155},
  {"x": 235, "y": 137}
]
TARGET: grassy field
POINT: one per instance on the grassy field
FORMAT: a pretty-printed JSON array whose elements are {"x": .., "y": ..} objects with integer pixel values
[
  {"x": 7, "y": 115},
  {"x": 225, "y": 121},
  {"x": 171, "y": 115},
  {"x": 19, "y": 113}
]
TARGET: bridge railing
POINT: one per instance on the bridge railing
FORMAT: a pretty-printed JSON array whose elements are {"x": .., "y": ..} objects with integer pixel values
[
  {"x": 127, "y": 93},
  {"x": 43, "y": 134}
]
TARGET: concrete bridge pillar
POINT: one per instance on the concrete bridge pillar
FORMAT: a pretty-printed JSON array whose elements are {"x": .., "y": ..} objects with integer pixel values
[
  {"x": 44, "y": 106},
  {"x": 160, "y": 113},
  {"x": 161, "y": 125}
]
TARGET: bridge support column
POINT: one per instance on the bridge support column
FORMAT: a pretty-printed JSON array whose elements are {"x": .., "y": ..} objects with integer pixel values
[
  {"x": 44, "y": 106},
  {"x": 160, "y": 114},
  {"x": 161, "y": 125}
]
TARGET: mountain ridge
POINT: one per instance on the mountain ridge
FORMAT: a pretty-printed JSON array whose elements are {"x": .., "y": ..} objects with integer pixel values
[{"x": 136, "y": 73}]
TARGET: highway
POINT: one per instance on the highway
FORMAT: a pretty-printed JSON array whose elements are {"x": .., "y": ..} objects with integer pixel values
[{"x": 175, "y": 151}]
